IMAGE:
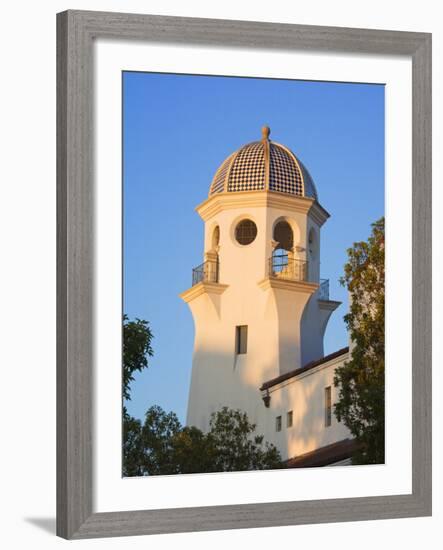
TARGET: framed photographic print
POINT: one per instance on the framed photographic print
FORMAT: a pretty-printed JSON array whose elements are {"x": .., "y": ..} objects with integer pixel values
[{"x": 244, "y": 274}]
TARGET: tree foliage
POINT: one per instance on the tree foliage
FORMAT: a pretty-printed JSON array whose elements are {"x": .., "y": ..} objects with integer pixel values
[
  {"x": 137, "y": 348},
  {"x": 361, "y": 381},
  {"x": 235, "y": 445},
  {"x": 132, "y": 446},
  {"x": 192, "y": 451},
  {"x": 162, "y": 446}
]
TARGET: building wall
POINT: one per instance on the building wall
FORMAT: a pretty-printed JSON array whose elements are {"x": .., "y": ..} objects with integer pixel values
[
  {"x": 280, "y": 326},
  {"x": 304, "y": 395},
  {"x": 219, "y": 376}
]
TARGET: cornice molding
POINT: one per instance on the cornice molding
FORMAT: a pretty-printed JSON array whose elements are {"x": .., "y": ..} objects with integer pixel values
[
  {"x": 318, "y": 214},
  {"x": 285, "y": 284},
  {"x": 330, "y": 305},
  {"x": 271, "y": 199},
  {"x": 202, "y": 288}
]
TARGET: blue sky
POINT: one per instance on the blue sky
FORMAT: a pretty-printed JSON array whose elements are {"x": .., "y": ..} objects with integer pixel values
[{"x": 177, "y": 130}]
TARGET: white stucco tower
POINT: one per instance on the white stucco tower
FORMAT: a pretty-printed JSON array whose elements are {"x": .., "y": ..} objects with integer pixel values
[{"x": 259, "y": 307}]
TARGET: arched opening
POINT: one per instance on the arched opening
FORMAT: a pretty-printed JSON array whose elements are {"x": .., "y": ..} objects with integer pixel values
[
  {"x": 209, "y": 270},
  {"x": 284, "y": 235},
  {"x": 282, "y": 254},
  {"x": 284, "y": 264},
  {"x": 215, "y": 237}
]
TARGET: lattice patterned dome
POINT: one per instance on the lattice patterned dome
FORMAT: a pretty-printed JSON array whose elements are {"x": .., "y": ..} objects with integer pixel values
[{"x": 264, "y": 165}]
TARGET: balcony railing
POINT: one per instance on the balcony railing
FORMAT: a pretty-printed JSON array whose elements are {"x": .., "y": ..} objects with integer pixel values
[
  {"x": 323, "y": 291},
  {"x": 207, "y": 272},
  {"x": 284, "y": 267}
]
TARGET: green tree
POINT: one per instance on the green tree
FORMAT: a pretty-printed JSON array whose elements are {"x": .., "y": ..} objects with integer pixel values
[
  {"x": 137, "y": 348},
  {"x": 361, "y": 381},
  {"x": 193, "y": 451},
  {"x": 132, "y": 446},
  {"x": 235, "y": 445},
  {"x": 157, "y": 437},
  {"x": 162, "y": 446}
]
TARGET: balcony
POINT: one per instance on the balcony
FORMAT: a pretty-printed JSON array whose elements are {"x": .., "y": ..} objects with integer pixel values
[
  {"x": 280, "y": 267},
  {"x": 283, "y": 267},
  {"x": 207, "y": 272}
]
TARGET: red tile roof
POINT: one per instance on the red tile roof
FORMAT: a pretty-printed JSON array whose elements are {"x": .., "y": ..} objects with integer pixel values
[
  {"x": 324, "y": 455},
  {"x": 308, "y": 366}
]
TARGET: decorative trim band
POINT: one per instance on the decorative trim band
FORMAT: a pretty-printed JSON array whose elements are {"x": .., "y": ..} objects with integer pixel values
[
  {"x": 202, "y": 288},
  {"x": 227, "y": 200},
  {"x": 285, "y": 284}
]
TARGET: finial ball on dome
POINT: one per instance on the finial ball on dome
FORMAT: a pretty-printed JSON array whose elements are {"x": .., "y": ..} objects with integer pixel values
[{"x": 265, "y": 131}]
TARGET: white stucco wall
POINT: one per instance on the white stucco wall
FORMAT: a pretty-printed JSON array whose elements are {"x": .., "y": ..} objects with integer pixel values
[
  {"x": 285, "y": 322},
  {"x": 304, "y": 395},
  {"x": 219, "y": 376}
]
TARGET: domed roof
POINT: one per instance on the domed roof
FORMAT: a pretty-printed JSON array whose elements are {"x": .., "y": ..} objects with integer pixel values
[{"x": 264, "y": 165}]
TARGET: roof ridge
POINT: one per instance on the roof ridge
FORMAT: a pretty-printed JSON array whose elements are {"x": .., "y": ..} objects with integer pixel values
[{"x": 300, "y": 370}]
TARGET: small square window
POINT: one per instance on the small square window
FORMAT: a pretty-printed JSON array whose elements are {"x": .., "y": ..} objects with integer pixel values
[
  {"x": 278, "y": 424},
  {"x": 241, "y": 339},
  {"x": 328, "y": 406},
  {"x": 289, "y": 418}
]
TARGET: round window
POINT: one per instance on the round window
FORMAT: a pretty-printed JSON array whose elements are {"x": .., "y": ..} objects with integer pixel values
[{"x": 245, "y": 232}]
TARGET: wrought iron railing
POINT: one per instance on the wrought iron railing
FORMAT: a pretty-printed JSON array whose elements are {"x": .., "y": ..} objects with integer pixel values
[
  {"x": 323, "y": 291},
  {"x": 207, "y": 272},
  {"x": 283, "y": 267}
]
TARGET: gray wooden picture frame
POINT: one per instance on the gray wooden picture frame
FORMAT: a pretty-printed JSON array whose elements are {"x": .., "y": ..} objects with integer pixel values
[{"x": 76, "y": 32}]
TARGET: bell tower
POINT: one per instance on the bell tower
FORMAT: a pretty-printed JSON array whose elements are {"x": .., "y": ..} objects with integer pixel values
[{"x": 259, "y": 306}]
